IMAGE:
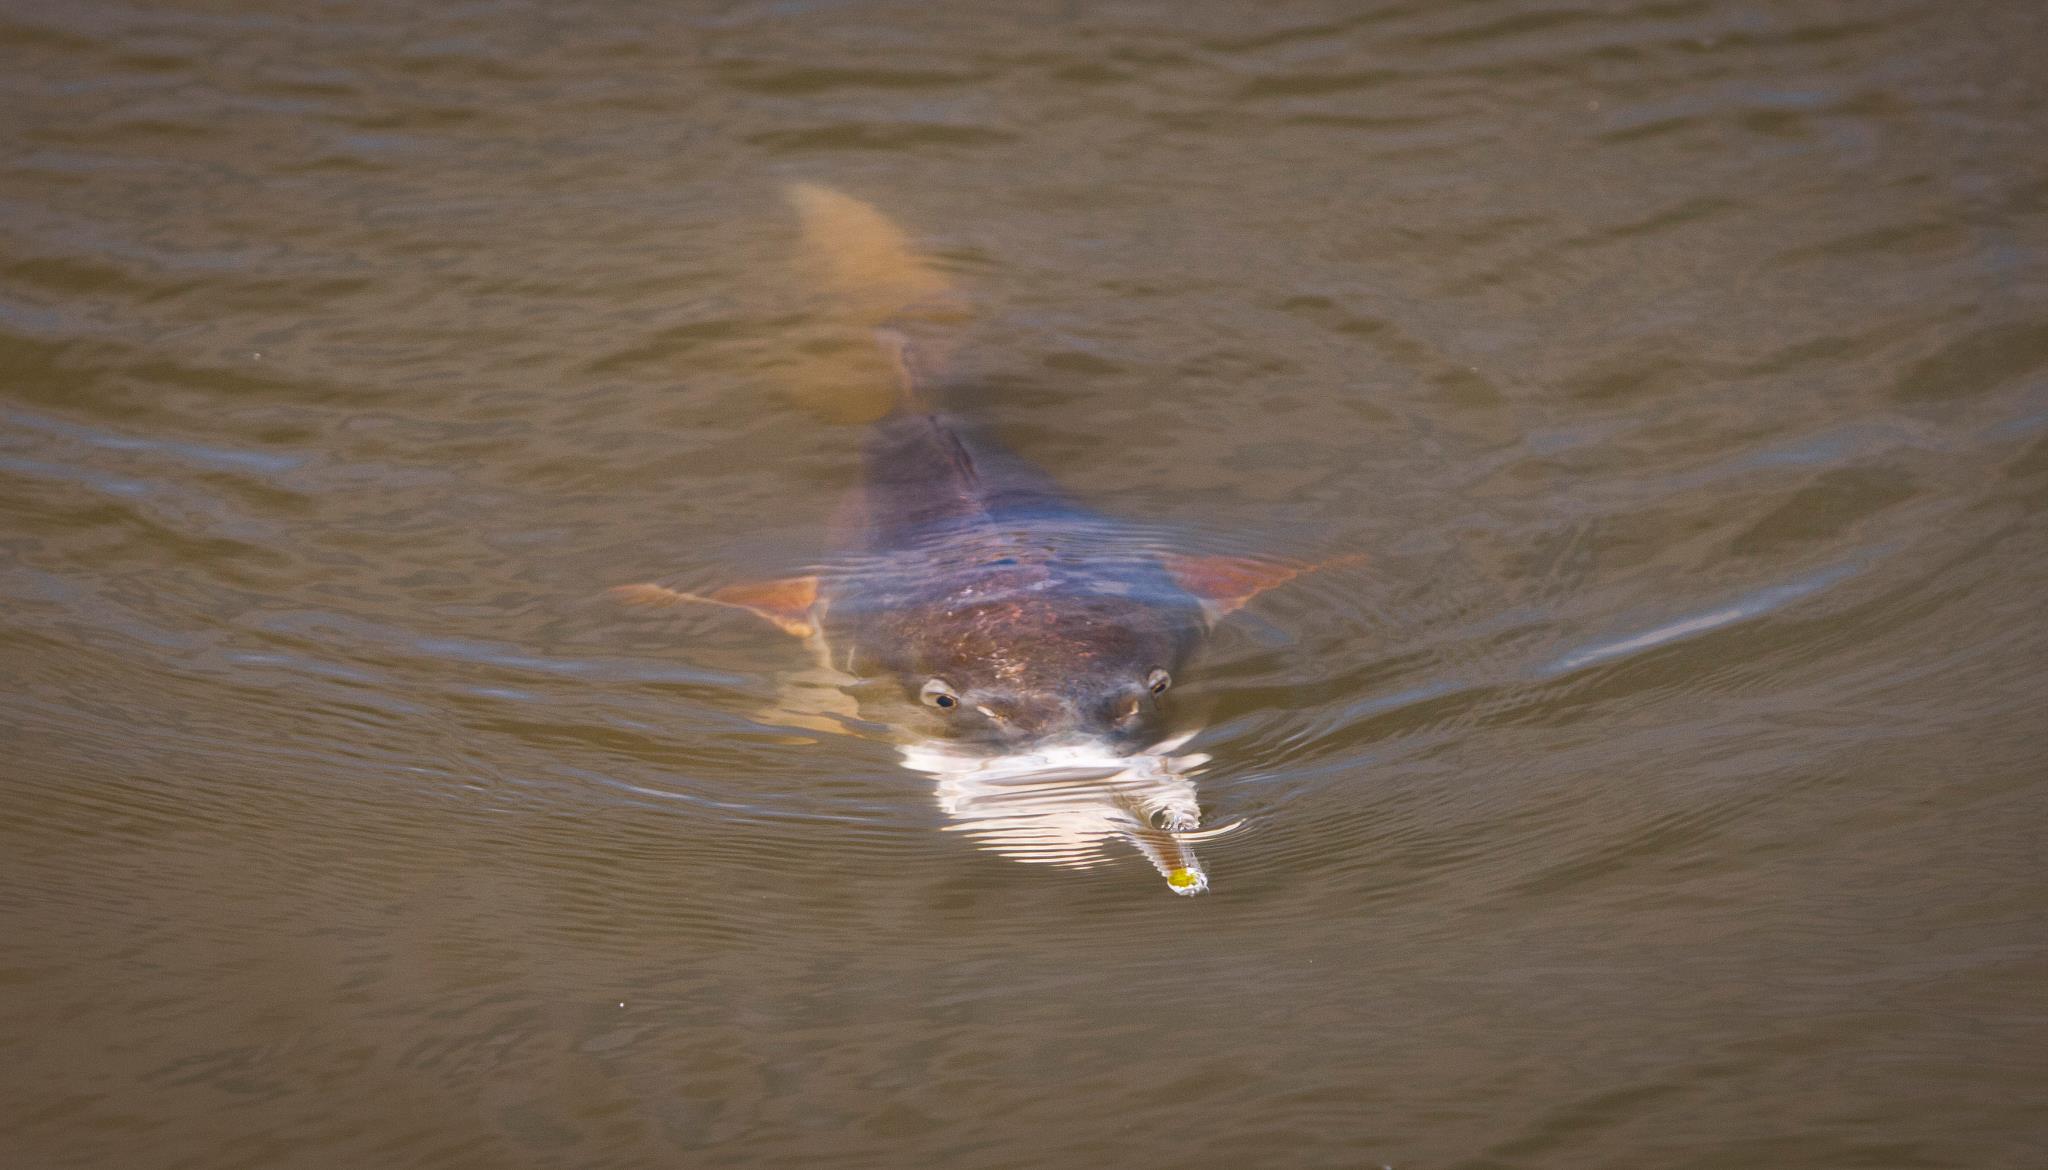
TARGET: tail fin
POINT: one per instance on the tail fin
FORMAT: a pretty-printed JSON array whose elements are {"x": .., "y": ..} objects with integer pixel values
[
  {"x": 879, "y": 285},
  {"x": 864, "y": 258}
]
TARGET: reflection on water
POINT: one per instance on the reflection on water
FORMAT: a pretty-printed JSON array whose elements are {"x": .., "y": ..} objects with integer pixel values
[
  {"x": 1662, "y": 789},
  {"x": 1061, "y": 805},
  {"x": 1757, "y": 604}
]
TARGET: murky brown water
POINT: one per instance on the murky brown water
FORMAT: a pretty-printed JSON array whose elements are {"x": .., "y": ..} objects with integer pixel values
[{"x": 1667, "y": 790}]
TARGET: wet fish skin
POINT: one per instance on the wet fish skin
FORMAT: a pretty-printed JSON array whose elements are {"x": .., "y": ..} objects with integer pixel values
[
  {"x": 964, "y": 571},
  {"x": 1044, "y": 617}
]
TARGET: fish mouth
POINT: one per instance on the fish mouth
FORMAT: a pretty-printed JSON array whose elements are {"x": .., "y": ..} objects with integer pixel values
[{"x": 1066, "y": 804}]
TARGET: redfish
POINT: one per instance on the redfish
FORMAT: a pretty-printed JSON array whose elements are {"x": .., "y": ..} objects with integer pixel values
[{"x": 1034, "y": 640}]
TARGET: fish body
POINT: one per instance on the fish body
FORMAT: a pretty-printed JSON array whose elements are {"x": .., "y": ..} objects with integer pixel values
[
  {"x": 1013, "y": 614},
  {"x": 1031, "y": 640}
]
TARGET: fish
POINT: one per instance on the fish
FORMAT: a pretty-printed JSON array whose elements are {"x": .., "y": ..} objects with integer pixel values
[{"x": 1029, "y": 643}]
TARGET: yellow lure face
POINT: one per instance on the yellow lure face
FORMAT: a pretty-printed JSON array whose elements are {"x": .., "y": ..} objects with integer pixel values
[{"x": 1184, "y": 880}]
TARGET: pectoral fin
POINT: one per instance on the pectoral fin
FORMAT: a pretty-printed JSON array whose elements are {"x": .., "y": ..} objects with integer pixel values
[
  {"x": 785, "y": 601},
  {"x": 1225, "y": 584}
]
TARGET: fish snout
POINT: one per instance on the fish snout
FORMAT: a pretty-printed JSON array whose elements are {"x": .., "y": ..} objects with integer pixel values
[
  {"x": 1029, "y": 717},
  {"x": 1038, "y": 716}
]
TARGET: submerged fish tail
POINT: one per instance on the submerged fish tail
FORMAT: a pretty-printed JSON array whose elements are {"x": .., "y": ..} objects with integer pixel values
[
  {"x": 864, "y": 257},
  {"x": 879, "y": 284}
]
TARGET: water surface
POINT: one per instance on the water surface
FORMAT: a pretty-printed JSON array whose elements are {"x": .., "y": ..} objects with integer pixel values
[{"x": 1666, "y": 788}]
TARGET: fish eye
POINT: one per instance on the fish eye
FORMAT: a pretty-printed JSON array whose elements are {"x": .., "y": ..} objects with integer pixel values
[
  {"x": 1158, "y": 681},
  {"x": 937, "y": 693}
]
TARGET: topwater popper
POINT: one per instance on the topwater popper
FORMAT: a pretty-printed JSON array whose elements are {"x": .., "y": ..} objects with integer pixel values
[{"x": 1034, "y": 640}]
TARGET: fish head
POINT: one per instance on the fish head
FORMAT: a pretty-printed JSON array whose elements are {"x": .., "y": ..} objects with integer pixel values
[{"x": 1024, "y": 671}]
